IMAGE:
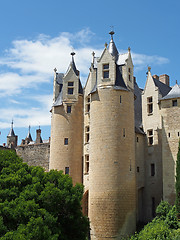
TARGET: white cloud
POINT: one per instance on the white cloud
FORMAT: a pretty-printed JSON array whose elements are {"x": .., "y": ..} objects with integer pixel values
[{"x": 30, "y": 65}]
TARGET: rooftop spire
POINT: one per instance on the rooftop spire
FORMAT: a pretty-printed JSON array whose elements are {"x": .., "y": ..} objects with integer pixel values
[
  {"x": 29, "y": 134},
  {"x": 11, "y": 132},
  {"x": 112, "y": 47},
  {"x": 73, "y": 64}
]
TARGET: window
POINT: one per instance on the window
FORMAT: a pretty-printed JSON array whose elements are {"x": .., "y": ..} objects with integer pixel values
[
  {"x": 137, "y": 169},
  {"x": 124, "y": 132},
  {"x": 105, "y": 70},
  {"x": 120, "y": 99},
  {"x": 70, "y": 88},
  {"x": 152, "y": 169},
  {"x": 150, "y": 137},
  {"x": 88, "y": 104},
  {"x": 169, "y": 135},
  {"x": 150, "y": 105},
  {"x": 87, "y": 134},
  {"x": 68, "y": 108},
  {"x": 129, "y": 71},
  {"x": 137, "y": 139},
  {"x": 153, "y": 207},
  {"x": 178, "y": 134},
  {"x": 66, "y": 141},
  {"x": 86, "y": 163},
  {"x": 174, "y": 103},
  {"x": 66, "y": 170}
]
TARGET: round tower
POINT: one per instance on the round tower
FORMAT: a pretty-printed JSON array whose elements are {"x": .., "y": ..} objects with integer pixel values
[
  {"x": 67, "y": 124},
  {"x": 112, "y": 182}
]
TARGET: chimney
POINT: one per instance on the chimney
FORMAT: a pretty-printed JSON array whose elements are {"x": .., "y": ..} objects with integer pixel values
[
  {"x": 23, "y": 142},
  {"x": 164, "y": 78},
  {"x": 4, "y": 144},
  {"x": 38, "y": 136},
  {"x": 156, "y": 77}
]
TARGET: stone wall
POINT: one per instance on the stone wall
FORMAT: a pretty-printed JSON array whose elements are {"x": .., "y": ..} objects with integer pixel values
[{"x": 35, "y": 154}]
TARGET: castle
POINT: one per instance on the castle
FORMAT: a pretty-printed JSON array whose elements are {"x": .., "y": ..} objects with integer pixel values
[{"x": 118, "y": 140}]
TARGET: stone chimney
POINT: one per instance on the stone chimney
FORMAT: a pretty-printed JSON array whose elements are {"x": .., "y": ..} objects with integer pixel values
[
  {"x": 38, "y": 136},
  {"x": 164, "y": 78},
  {"x": 156, "y": 77},
  {"x": 23, "y": 142}
]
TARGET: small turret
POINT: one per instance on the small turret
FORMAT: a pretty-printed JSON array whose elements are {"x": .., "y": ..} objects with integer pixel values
[{"x": 12, "y": 138}]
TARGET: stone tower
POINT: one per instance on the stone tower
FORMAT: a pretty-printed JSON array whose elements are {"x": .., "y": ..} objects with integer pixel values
[
  {"x": 66, "y": 147},
  {"x": 12, "y": 138},
  {"x": 110, "y": 169}
]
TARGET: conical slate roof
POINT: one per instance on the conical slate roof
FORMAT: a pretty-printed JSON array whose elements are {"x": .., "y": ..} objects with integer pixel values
[
  {"x": 29, "y": 135},
  {"x": 11, "y": 132},
  {"x": 112, "y": 47}
]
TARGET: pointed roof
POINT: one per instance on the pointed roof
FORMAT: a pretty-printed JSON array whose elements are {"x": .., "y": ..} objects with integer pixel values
[
  {"x": 173, "y": 93},
  {"x": 112, "y": 47},
  {"x": 73, "y": 65},
  {"x": 11, "y": 132},
  {"x": 29, "y": 134},
  {"x": 163, "y": 88}
]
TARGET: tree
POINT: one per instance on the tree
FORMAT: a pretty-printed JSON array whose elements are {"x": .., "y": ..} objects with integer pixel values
[
  {"x": 178, "y": 182},
  {"x": 38, "y": 205}
]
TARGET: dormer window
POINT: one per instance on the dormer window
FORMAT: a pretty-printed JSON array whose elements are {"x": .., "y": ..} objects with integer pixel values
[
  {"x": 150, "y": 105},
  {"x": 129, "y": 74},
  {"x": 106, "y": 70},
  {"x": 70, "y": 88}
]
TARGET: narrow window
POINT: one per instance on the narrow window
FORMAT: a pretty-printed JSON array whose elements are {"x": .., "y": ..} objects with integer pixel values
[
  {"x": 174, "y": 103},
  {"x": 137, "y": 169},
  {"x": 152, "y": 169},
  {"x": 169, "y": 135},
  {"x": 120, "y": 99},
  {"x": 124, "y": 132},
  {"x": 87, "y": 134},
  {"x": 86, "y": 163},
  {"x": 66, "y": 141},
  {"x": 68, "y": 108},
  {"x": 178, "y": 134},
  {"x": 88, "y": 101},
  {"x": 70, "y": 88},
  {"x": 66, "y": 170},
  {"x": 105, "y": 70},
  {"x": 150, "y": 105},
  {"x": 153, "y": 206},
  {"x": 150, "y": 137},
  {"x": 129, "y": 71},
  {"x": 137, "y": 139}
]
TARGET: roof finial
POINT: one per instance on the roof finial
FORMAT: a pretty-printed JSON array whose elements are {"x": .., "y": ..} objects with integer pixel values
[
  {"x": 111, "y": 32},
  {"x": 129, "y": 49},
  {"x": 149, "y": 68},
  {"x": 93, "y": 54},
  {"x": 29, "y": 128},
  {"x": 176, "y": 82},
  {"x": 72, "y": 54},
  {"x": 12, "y": 124},
  {"x": 55, "y": 69},
  {"x": 105, "y": 44}
]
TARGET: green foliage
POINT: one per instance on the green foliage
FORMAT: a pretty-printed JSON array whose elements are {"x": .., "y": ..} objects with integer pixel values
[
  {"x": 178, "y": 182},
  {"x": 38, "y": 205},
  {"x": 164, "y": 226}
]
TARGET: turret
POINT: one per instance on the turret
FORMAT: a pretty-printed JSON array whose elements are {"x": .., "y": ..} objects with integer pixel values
[
  {"x": 12, "y": 138},
  {"x": 67, "y": 124},
  {"x": 111, "y": 161}
]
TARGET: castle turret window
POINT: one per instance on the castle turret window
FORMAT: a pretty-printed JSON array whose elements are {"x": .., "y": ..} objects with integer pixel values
[
  {"x": 70, "y": 88},
  {"x": 66, "y": 170},
  {"x": 152, "y": 169},
  {"x": 66, "y": 141},
  {"x": 105, "y": 70},
  {"x": 68, "y": 108},
  {"x": 87, "y": 163},
  {"x": 150, "y": 105},
  {"x": 150, "y": 137},
  {"x": 87, "y": 134},
  {"x": 88, "y": 104},
  {"x": 174, "y": 103}
]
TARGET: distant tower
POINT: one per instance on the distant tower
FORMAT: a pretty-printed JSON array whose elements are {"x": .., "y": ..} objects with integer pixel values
[
  {"x": 12, "y": 138},
  {"x": 28, "y": 139},
  {"x": 112, "y": 176},
  {"x": 66, "y": 148}
]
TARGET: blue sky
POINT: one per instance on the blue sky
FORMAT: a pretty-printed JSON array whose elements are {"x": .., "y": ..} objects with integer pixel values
[{"x": 37, "y": 36}]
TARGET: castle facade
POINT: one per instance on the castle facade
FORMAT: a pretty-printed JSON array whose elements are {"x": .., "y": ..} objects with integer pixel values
[{"x": 120, "y": 141}]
